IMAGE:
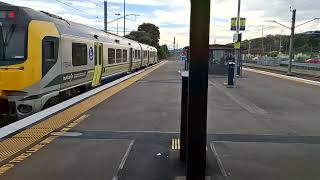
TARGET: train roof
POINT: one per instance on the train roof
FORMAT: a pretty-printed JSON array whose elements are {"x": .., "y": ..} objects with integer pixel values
[{"x": 71, "y": 28}]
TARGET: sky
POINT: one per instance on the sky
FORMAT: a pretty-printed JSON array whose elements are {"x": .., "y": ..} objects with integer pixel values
[{"x": 173, "y": 16}]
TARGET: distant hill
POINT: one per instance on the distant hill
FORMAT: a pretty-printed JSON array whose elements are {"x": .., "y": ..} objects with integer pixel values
[{"x": 307, "y": 43}]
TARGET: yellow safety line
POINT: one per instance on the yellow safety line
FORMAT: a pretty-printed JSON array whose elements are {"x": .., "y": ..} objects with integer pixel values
[
  {"x": 22, "y": 140},
  {"x": 23, "y": 156},
  {"x": 175, "y": 144},
  {"x": 172, "y": 143}
]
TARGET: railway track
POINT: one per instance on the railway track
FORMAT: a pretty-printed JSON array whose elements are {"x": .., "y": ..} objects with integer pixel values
[{"x": 296, "y": 74}]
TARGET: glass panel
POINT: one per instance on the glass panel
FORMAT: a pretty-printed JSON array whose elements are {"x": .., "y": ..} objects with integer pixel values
[
  {"x": 95, "y": 55},
  {"x": 49, "y": 50},
  {"x": 136, "y": 54},
  {"x": 125, "y": 57},
  {"x": 12, "y": 43},
  {"x": 111, "y": 56},
  {"x": 100, "y": 55},
  {"x": 79, "y": 54},
  {"x": 119, "y": 55}
]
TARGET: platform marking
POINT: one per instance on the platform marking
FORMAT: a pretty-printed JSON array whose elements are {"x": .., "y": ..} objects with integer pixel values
[
  {"x": 124, "y": 159},
  {"x": 24, "y": 139},
  {"x": 175, "y": 144},
  {"x": 6, "y": 167},
  {"x": 281, "y": 76},
  {"x": 221, "y": 167},
  {"x": 245, "y": 104}
]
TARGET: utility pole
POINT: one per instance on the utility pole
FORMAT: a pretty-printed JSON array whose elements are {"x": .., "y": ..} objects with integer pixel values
[
  {"x": 237, "y": 49},
  {"x": 291, "y": 54},
  {"x": 262, "y": 41},
  {"x": 105, "y": 16},
  {"x": 174, "y": 48},
  {"x": 124, "y": 18},
  {"x": 118, "y": 14},
  {"x": 249, "y": 49},
  {"x": 280, "y": 47},
  {"x": 293, "y": 26}
]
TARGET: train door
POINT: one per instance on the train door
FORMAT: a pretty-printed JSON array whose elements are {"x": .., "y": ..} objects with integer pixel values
[
  {"x": 130, "y": 59},
  {"x": 98, "y": 65}
]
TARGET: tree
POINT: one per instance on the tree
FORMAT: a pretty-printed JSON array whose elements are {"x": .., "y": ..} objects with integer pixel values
[
  {"x": 149, "y": 34},
  {"x": 153, "y": 31},
  {"x": 140, "y": 36},
  {"x": 163, "y": 52}
]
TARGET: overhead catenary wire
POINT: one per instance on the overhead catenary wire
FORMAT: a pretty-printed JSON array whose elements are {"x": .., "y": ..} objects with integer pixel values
[
  {"x": 96, "y": 3},
  {"x": 82, "y": 11},
  {"x": 76, "y": 8},
  {"x": 97, "y": 18}
]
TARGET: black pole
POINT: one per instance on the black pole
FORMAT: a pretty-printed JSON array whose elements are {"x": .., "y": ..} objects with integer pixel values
[
  {"x": 106, "y": 16},
  {"x": 198, "y": 90},
  {"x": 184, "y": 115},
  {"x": 291, "y": 54},
  {"x": 124, "y": 18}
]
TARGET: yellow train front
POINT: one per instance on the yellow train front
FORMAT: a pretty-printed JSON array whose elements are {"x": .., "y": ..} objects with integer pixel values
[{"x": 45, "y": 59}]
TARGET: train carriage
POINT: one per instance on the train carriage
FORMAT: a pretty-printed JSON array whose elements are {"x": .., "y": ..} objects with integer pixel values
[{"x": 45, "y": 59}]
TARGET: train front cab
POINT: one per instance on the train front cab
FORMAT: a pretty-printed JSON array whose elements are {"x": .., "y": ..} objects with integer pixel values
[{"x": 21, "y": 41}]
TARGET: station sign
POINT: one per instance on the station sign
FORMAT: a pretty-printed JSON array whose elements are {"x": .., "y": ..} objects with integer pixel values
[
  {"x": 234, "y": 24},
  {"x": 183, "y": 56}
]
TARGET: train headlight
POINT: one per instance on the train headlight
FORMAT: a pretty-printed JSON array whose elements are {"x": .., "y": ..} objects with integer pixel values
[{"x": 24, "y": 108}]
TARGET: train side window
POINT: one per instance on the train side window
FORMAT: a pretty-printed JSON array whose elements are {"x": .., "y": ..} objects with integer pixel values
[
  {"x": 50, "y": 48},
  {"x": 79, "y": 54},
  {"x": 111, "y": 56},
  {"x": 139, "y": 54},
  {"x": 95, "y": 55},
  {"x": 136, "y": 54},
  {"x": 125, "y": 55},
  {"x": 118, "y": 55},
  {"x": 133, "y": 54},
  {"x": 100, "y": 55}
]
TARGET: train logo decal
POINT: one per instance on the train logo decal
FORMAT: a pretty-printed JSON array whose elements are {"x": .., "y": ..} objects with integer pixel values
[
  {"x": 91, "y": 53},
  {"x": 74, "y": 76}
]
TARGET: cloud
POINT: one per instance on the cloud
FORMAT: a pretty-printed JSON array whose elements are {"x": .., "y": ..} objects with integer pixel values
[{"x": 172, "y": 16}]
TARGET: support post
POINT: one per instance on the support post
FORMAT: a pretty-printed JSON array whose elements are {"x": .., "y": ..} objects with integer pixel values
[
  {"x": 237, "y": 44},
  {"x": 198, "y": 90},
  {"x": 291, "y": 54},
  {"x": 105, "y": 16},
  {"x": 174, "y": 48},
  {"x": 184, "y": 116},
  {"x": 124, "y": 18}
]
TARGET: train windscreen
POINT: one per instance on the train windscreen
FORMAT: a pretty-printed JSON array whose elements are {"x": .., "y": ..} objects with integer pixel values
[{"x": 12, "y": 39}]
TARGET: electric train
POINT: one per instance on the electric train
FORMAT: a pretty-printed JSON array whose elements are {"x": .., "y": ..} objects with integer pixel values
[{"x": 45, "y": 59}]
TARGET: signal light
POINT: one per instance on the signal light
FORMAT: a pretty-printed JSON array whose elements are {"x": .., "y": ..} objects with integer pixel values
[{"x": 11, "y": 15}]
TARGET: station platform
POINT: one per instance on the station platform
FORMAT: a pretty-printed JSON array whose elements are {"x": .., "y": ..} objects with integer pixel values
[{"x": 265, "y": 128}]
